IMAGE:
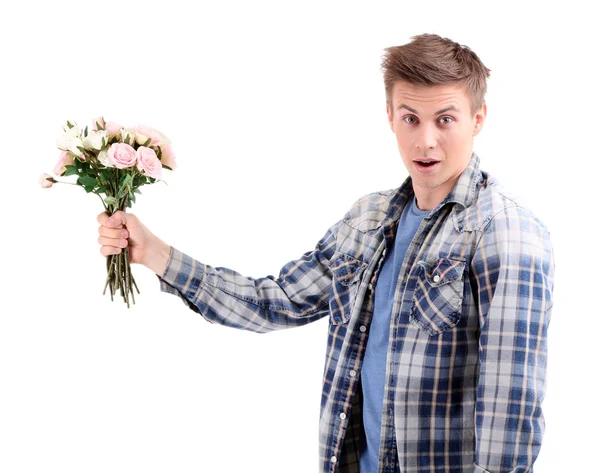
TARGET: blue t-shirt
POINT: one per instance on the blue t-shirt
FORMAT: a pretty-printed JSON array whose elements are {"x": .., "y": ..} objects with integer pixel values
[{"x": 374, "y": 365}]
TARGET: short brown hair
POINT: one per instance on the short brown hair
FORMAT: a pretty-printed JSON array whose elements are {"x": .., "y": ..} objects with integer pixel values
[{"x": 430, "y": 59}]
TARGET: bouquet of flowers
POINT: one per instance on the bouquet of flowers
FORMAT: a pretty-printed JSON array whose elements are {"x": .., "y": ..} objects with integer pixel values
[{"x": 113, "y": 162}]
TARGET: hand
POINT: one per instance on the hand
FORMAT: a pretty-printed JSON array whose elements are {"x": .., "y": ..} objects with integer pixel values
[{"x": 125, "y": 229}]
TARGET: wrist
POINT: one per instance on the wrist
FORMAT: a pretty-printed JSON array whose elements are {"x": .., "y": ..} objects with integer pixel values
[{"x": 157, "y": 257}]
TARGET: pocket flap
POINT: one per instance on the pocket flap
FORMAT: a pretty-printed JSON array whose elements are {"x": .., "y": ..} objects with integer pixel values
[
  {"x": 346, "y": 269},
  {"x": 443, "y": 271}
]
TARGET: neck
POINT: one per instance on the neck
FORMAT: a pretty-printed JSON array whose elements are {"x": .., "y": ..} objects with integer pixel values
[{"x": 428, "y": 199}]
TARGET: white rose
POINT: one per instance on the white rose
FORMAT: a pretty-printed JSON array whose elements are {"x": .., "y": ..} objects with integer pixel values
[
  {"x": 63, "y": 142},
  {"x": 128, "y": 135},
  {"x": 95, "y": 140},
  {"x": 74, "y": 147},
  {"x": 103, "y": 158}
]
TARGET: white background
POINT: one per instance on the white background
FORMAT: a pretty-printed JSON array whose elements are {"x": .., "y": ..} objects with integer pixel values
[{"x": 276, "y": 111}]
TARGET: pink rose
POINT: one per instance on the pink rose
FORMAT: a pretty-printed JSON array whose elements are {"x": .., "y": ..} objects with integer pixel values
[
  {"x": 112, "y": 129},
  {"x": 144, "y": 132},
  {"x": 148, "y": 163},
  {"x": 167, "y": 156},
  {"x": 46, "y": 180},
  {"x": 121, "y": 155},
  {"x": 65, "y": 158}
]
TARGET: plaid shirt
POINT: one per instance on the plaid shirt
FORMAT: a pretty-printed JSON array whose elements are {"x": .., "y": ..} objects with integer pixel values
[{"x": 466, "y": 366}]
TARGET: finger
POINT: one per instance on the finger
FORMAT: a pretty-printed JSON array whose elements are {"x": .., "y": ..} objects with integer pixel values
[
  {"x": 109, "y": 250},
  {"x": 101, "y": 218},
  {"x": 113, "y": 232},
  {"x": 114, "y": 242},
  {"x": 117, "y": 220}
]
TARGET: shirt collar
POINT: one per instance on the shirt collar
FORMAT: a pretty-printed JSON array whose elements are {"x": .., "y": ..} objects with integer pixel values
[{"x": 462, "y": 194}]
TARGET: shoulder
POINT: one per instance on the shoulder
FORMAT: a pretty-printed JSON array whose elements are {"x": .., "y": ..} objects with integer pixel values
[
  {"x": 369, "y": 210},
  {"x": 509, "y": 231},
  {"x": 496, "y": 207}
]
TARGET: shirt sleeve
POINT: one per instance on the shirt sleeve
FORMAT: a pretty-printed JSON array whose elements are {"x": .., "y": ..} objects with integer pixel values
[
  {"x": 513, "y": 267},
  {"x": 297, "y": 296}
]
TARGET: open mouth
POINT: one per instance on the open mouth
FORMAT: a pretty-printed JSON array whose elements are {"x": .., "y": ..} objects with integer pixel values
[
  {"x": 426, "y": 163},
  {"x": 426, "y": 166}
]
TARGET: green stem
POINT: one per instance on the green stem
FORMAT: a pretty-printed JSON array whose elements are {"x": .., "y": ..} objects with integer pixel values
[
  {"x": 103, "y": 203},
  {"x": 127, "y": 270},
  {"x": 119, "y": 273},
  {"x": 136, "y": 288}
]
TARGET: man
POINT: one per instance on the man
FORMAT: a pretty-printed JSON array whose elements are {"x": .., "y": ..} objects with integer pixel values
[{"x": 438, "y": 293}]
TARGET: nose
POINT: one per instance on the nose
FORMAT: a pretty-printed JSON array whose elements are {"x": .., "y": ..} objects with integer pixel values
[{"x": 426, "y": 138}]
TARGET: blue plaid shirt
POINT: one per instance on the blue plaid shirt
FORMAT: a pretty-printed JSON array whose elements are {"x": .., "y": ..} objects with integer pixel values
[{"x": 466, "y": 370}]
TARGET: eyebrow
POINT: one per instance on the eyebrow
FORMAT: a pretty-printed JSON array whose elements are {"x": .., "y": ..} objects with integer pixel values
[{"x": 443, "y": 110}]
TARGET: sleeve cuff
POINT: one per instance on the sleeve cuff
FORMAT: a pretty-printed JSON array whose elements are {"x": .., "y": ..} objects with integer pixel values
[
  {"x": 478, "y": 469},
  {"x": 182, "y": 277}
]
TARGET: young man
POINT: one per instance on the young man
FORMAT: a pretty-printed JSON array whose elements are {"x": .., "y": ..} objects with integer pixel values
[{"x": 438, "y": 293}]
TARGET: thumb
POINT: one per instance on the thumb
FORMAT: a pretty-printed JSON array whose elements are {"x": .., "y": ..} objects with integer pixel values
[{"x": 117, "y": 220}]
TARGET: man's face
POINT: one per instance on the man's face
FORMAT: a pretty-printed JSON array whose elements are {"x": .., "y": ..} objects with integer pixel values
[{"x": 433, "y": 123}]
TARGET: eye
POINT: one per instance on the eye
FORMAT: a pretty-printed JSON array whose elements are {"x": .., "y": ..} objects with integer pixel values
[
  {"x": 449, "y": 118},
  {"x": 409, "y": 117}
]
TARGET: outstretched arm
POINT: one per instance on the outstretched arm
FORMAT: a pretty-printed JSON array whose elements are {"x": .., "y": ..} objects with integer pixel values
[{"x": 297, "y": 296}]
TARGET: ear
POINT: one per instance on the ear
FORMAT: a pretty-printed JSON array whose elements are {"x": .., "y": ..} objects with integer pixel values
[
  {"x": 390, "y": 115},
  {"x": 479, "y": 118}
]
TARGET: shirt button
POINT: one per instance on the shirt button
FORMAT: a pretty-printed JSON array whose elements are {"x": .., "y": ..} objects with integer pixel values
[
  {"x": 370, "y": 287},
  {"x": 363, "y": 328},
  {"x": 333, "y": 459},
  {"x": 342, "y": 416},
  {"x": 436, "y": 278},
  {"x": 352, "y": 373}
]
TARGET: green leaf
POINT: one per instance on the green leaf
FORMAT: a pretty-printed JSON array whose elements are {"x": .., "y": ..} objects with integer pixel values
[
  {"x": 125, "y": 188},
  {"x": 70, "y": 170},
  {"x": 166, "y": 167},
  {"x": 101, "y": 189},
  {"x": 69, "y": 124},
  {"x": 148, "y": 141},
  {"x": 137, "y": 191},
  {"x": 85, "y": 131},
  {"x": 110, "y": 200},
  {"x": 126, "y": 179},
  {"x": 87, "y": 182},
  {"x": 106, "y": 174}
]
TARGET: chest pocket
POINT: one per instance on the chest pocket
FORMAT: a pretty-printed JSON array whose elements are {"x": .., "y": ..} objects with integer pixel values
[
  {"x": 346, "y": 272},
  {"x": 438, "y": 296}
]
